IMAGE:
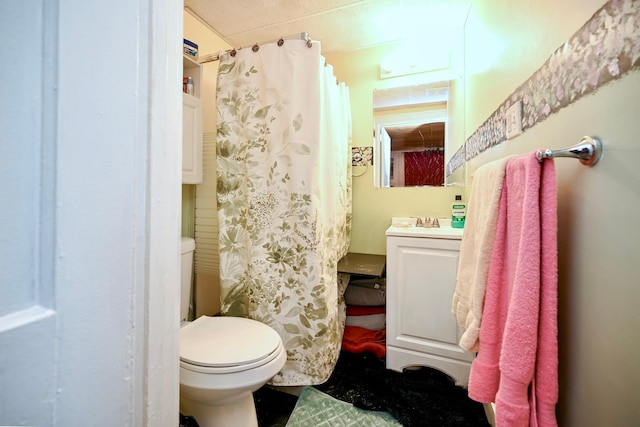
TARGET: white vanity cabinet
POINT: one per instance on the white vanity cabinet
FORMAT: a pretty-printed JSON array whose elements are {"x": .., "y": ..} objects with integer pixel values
[
  {"x": 192, "y": 124},
  {"x": 422, "y": 264}
]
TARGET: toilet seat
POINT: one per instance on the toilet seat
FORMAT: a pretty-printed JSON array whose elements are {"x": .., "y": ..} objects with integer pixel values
[{"x": 226, "y": 344}]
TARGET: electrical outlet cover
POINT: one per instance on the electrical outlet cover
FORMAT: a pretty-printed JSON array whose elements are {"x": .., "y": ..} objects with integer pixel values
[{"x": 513, "y": 118}]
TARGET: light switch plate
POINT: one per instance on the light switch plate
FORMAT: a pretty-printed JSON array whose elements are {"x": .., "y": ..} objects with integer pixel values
[{"x": 513, "y": 118}]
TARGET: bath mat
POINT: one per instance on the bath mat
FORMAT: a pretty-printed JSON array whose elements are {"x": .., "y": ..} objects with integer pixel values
[{"x": 314, "y": 408}]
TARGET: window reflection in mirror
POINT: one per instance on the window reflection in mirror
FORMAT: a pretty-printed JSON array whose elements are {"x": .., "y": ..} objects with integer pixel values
[{"x": 410, "y": 134}]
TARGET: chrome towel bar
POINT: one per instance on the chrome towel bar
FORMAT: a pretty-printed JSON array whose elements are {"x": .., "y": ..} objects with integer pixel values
[{"x": 589, "y": 151}]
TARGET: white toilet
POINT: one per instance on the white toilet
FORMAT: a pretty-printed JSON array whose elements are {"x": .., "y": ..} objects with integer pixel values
[{"x": 223, "y": 360}]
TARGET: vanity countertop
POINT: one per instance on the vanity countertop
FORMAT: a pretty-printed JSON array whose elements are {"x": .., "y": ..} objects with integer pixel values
[{"x": 444, "y": 232}]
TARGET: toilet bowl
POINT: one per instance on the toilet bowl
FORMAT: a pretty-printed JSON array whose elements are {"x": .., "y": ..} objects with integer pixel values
[{"x": 223, "y": 360}]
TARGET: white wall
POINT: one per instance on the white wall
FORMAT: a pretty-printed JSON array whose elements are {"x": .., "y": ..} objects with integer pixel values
[
  {"x": 374, "y": 207},
  {"x": 599, "y": 235},
  {"x": 207, "y": 275}
]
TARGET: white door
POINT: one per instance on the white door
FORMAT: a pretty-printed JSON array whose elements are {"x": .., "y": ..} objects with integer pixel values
[
  {"x": 89, "y": 212},
  {"x": 385, "y": 143},
  {"x": 27, "y": 302}
]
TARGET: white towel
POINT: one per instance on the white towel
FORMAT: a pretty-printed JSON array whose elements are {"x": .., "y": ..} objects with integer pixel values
[{"x": 475, "y": 250}]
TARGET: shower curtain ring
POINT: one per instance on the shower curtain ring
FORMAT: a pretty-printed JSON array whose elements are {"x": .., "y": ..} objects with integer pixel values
[
  {"x": 255, "y": 47},
  {"x": 233, "y": 52},
  {"x": 281, "y": 41}
]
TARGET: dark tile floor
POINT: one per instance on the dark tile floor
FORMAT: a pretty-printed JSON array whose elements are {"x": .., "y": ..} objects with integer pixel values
[{"x": 422, "y": 398}]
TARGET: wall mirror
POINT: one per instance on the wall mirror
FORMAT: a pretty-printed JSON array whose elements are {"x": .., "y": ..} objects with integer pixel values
[{"x": 411, "y": 135}]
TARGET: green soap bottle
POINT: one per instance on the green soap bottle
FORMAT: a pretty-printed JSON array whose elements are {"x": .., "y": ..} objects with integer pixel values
[{"x": 458, "y": 212}]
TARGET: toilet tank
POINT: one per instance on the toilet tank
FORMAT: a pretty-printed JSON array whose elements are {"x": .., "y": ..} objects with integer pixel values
[{"x": 187, "y": 246}]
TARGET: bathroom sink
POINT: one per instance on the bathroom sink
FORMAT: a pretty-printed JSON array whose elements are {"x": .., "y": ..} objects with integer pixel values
[{"x": 444, "y": 232}]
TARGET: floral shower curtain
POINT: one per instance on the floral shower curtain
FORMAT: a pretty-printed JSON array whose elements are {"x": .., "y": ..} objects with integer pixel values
[{"x": 284, "y": 199}]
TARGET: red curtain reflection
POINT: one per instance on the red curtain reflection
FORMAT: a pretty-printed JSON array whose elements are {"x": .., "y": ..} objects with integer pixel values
[{"x": 424, "y": 168}]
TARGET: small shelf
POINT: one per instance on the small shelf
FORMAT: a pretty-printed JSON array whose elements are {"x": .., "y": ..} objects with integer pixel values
[
  {"x": 362, "y": 264},
  {"x": 187, "y": 96},
  {"x": 191, "y": 68},
  {"x": 186, "y": 59}
]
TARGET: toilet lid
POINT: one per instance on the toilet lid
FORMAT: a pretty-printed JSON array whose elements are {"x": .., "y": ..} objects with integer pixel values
[{"x": 226, "y": 341}]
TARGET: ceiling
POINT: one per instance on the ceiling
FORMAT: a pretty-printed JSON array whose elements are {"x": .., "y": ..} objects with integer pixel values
[
  {"x": 339, "y": 25},
  {"x": 416, "y": 137}
]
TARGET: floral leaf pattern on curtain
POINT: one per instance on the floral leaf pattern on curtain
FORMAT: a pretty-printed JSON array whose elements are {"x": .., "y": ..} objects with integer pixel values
[{"x": 284, "y": 200}]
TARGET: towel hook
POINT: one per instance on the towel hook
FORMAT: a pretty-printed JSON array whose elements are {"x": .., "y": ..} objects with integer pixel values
[{"x": 589, "y": 151}]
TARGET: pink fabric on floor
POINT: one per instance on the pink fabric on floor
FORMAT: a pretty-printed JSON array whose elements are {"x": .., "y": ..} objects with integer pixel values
[
  {"x": 360, "y": 340},
  {"x": 517, "y": 362}
]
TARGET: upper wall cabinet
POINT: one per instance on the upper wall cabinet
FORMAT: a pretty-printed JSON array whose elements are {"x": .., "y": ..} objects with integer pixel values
[{"x": 191, "y": 122}]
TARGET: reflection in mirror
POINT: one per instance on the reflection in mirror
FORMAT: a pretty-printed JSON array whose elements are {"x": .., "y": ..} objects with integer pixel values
[{"x": 410, "y": 132}]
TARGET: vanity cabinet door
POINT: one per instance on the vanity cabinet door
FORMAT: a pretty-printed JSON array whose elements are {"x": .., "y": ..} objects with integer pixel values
[{"x": 421, "y": 330}]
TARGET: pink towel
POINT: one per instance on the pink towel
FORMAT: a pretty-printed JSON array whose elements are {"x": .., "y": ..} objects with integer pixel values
[{"x": 517, "y": 362}]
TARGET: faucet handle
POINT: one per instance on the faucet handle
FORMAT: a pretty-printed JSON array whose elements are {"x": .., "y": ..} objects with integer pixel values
[{"x": 436, "y": 223}]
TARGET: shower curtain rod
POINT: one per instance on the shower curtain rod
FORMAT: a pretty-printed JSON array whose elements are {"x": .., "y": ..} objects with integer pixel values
[
  {"x": 589, "y": 151},
  {"x": 216, "y": 56}
]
